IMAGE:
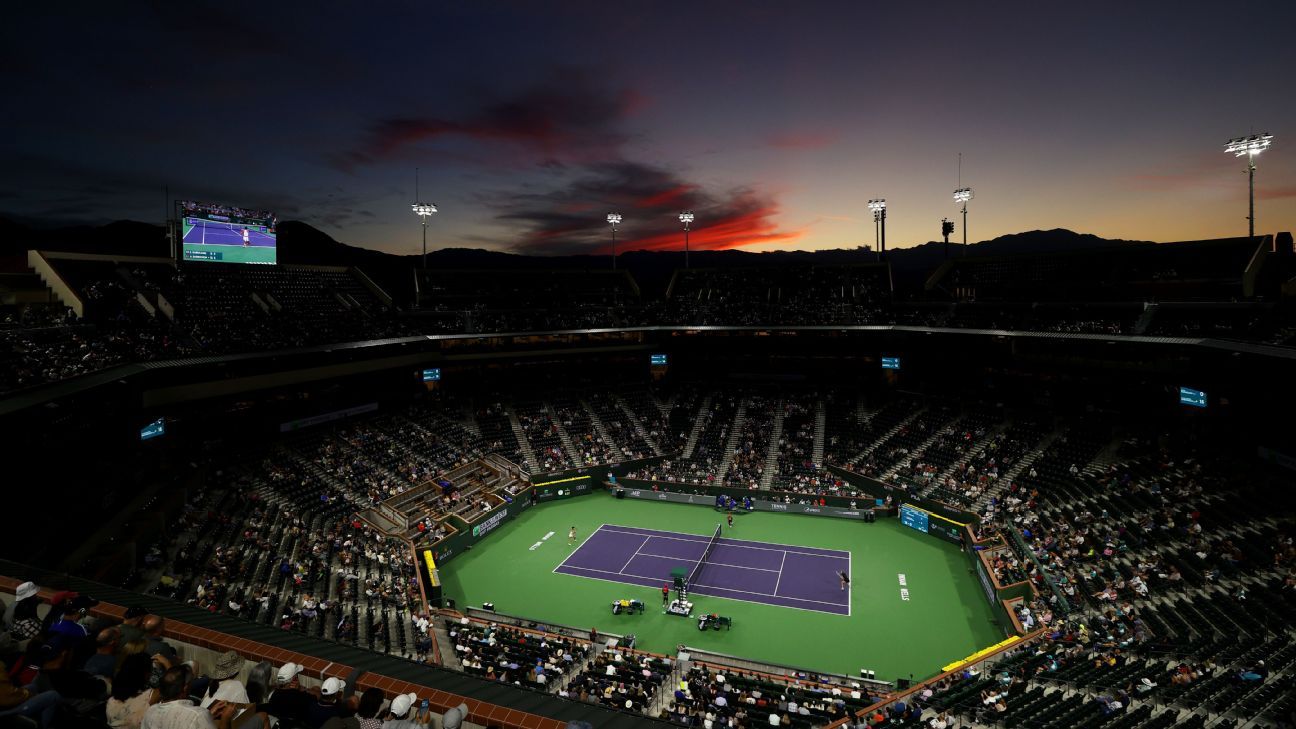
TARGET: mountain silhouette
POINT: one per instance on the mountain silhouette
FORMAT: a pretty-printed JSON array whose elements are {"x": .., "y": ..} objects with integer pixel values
[{"x": 300, "y": 243}]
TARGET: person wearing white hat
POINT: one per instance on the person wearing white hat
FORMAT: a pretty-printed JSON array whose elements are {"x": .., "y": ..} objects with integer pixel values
[
  {"x": 403, "y": 713},
  {"x": 288, "y": 701},
  {"x": 20, "y": 617},
  {"x": 328, "y": 705},
  {"x": 454, "y": 718}
]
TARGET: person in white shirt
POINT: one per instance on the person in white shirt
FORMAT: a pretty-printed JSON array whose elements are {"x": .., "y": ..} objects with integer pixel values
[
  {"x": 224, "y": 686},
  {"x": 176, "y": 711}
]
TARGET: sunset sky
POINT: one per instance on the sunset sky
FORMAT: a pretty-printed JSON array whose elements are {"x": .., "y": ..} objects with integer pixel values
[{"x": 774, "y": 121}]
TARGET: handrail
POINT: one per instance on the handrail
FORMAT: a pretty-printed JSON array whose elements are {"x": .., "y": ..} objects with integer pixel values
[{"x": 863, "y": 713}]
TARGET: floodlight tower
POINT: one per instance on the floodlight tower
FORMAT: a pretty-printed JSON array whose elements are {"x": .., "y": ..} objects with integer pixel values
[
  {"x": 1250, "y": 146},
  {"x": 878, "y": 206},
  {"x": 614, "y": 219},
  {"x": 686, "y": 218},
  {"x": 423, "y": 210},
  {"x": 962, "y": 195},
  {"x": 947, "y": 227}
]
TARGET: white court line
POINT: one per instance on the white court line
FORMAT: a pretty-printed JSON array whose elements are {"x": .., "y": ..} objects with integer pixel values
[
  {"x": 721, "y": 543},
  {"x": 636, "y": 554},
  {"x": 714, "y": 587},
  {"x": 850, "y": 572},
  {"x": 578, "y": 548},
  {"x": 709, "y": 564},
  {"x": 655, "y": 580},
  {"x": 730, "y": 541},
  {"x": 780, "y": 577}
]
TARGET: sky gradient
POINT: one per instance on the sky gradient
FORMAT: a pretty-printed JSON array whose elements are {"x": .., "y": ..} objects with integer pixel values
[{"x": 775, "y": 122}]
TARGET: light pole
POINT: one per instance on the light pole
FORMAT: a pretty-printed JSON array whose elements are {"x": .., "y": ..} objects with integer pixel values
[
  {"x": 962, "y": 195},
  {"x": 423, "y": 210},
  {"x": 878, "y": 206},
  {"x": 614, "y": 219},
  {"x": 686, "y": 218},
  {"x": 1250, "y": 146}
]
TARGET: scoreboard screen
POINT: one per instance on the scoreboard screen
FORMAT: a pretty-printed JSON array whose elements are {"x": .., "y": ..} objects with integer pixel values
[
  {"x": 890, "y": 363},
  {"x": 913, "y": 518},
  {"x": 226, "y": 234},
  {"x": 432, "y": 375},
  {"x": 155, "y": 429},
  {"x": 1189, "y": 396},
  {"x": 658, "y": 360}
]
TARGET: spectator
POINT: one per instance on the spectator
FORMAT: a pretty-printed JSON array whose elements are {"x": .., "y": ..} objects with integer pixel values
[
  {"x": 130, "y": 628},
  {"x": 454, "y": 717},
  {"x": 403, "y": 715},
  {"x": 371, "y": 703},
  {"x": 288, "y": 701},
  {"x": 19, "y": 701},
  {"x": 104, "y": 661},
  {"x": 260, "y": 682},
  {"x": 327, "y": 705},
  {"x": 20, "y": 617},
  {"x": 131, "y": 695},
  {"x": 174, "y": 710},
  {"x": 154, "y": 626},
  {"x": 222, "y": 684}
]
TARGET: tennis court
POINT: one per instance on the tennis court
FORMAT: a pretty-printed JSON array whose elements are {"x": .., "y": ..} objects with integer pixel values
[
  {"x": 804, "y": 578},
  {"x": 198, "y": 231}
]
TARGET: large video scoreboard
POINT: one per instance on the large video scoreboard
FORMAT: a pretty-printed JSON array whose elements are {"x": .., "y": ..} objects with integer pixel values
[{"x": 226, "y": 234}]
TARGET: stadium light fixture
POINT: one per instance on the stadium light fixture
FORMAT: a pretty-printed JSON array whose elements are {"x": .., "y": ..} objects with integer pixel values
[
  {"x": 686, "y": 218},
  {"x": 614, "y": 219},
  {"x": 878, "y": 206},
  {"x": 962, "y": 195},
  {"x": 1249, "y": 146},
  {"x": 423, "y": 210}
]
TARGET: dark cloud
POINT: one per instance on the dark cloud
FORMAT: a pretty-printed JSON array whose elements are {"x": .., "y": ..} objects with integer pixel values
[
  {"x": 568, "y": 117},
  {"x": 571, "y": 218}
]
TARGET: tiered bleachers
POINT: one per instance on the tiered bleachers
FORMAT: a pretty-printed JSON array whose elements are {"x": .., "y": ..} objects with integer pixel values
[
  {"x": 787, "y": 295},
  {"x": 543, "y": 438},
  {"x": 538, "y": 661},
  {"x": 720, "y": 695},
  {"x": 503, "y": 300},
  {"x": 796, "y": 445},
  {"x": 591, "y": 450},
  {"x": 621, "y": 679},
  {"x": 747, "y": 464},
  {"x": 709, "y": 450},
  {"x": 620, "y": 428}
]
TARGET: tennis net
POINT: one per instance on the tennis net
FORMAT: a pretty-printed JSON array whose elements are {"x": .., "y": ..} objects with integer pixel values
[{"x": 705, "y": 553}]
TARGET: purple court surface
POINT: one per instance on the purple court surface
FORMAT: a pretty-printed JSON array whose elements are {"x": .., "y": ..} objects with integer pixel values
[{"x": 773, "y": 574}]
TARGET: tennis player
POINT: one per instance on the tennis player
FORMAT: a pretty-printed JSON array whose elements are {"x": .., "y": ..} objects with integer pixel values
[
  {"x": 245, "y": 237},
  {"x": 571, "y": 537},
  {"x": 845, "y": 579}
]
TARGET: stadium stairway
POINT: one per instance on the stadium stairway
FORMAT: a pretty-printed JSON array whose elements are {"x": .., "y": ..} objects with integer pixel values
[
  {"x": 772, "y": 454},
  {"x": 1109, "y": 454},
  {"x": 698, "y": 422},
  {"x": 1145, "y": 319},
  {"x": 569, "y": 448},
  {"x": 735, "y": 432},
  {"x": 915, "y": 455},
  {"x": 528, "y": 451},
  {"x": 638, "y": 425},
  {"x": 820, "y": 432},
  {"x": 599, "y": 427},
  {"x": 449, "y": 656},
  {"x": 969, "y": 452},
  {"x": 1020, "y": 466},
  {"x": 877, "y": 442}
]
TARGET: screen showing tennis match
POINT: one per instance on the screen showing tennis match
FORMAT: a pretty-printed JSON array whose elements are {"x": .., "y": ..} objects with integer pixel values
[{"x": 225, "y": 233}]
